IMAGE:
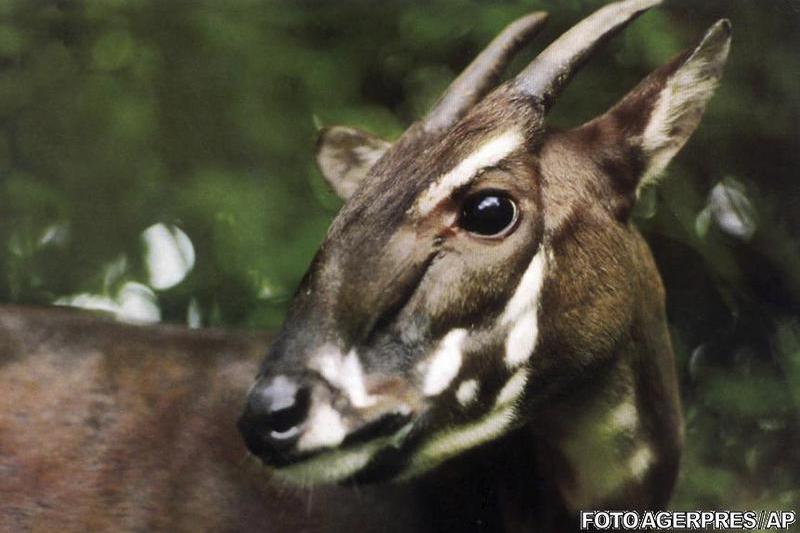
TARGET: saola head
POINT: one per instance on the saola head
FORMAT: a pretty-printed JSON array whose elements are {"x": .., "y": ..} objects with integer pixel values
[{"x": 479, "y": 262}]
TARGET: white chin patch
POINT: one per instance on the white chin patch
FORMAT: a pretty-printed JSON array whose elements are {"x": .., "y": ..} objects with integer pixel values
[
  {"x": 337, "y": 465},
  {"x": 326, "y": 429},
  {"x": 452, "y": 442},
  {"x": 522, "y": 313},
  {"x": 442, "y": 367}
]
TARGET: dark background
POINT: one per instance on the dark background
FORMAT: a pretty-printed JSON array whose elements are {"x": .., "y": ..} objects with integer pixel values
[{"x": 197, "y": 120}]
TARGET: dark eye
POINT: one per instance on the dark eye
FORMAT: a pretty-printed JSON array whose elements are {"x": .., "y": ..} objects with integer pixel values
[{"x": 488, "y": 214}]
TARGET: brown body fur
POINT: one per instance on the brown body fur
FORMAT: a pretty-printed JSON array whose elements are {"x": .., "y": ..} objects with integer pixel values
[{"x": 109, "y": 427}]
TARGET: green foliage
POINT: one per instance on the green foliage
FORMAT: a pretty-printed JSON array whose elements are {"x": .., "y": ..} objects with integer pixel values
[{"x": 199, "y": 115}]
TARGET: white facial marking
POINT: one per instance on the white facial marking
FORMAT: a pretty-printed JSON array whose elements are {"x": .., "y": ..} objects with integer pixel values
[
  {"x": 513, "y": 388},
  {"x": 521, "y": 340},
  {"x": 450, "y": 443},
  {"x": 608, "y": 452},
  {"x": 488, "y": 154},
  {"x": 443, "y": 366},
  {"x": 344, "y": 373},
  {"x": 467, "y": 392},
  {"x": 340, "y": 465},
  {"x": 353, "y": 381},
  {"x": 326, "y": 429},
  {"x": 521, "y": 313},
  {"x": 623, "y": 418},
  {"x": 336, "y": 465},
  {"x": 682, "y": 99},
  {"x": 640, "y": 462}
]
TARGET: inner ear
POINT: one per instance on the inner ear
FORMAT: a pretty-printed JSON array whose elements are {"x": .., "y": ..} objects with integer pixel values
[
  {"x": 653, "y": 122},
  {"x": 345, "y": 156}
]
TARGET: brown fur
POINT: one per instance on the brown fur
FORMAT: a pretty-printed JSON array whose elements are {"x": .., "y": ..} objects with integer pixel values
[
  {"x": 108, "y": 427},
  {"x": 104, "y": 426}
]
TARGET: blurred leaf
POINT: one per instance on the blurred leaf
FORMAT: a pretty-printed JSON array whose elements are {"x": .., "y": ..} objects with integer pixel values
[{"x": 732, "y": 210}]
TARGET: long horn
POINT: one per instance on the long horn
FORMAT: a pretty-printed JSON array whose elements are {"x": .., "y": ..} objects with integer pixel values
[
  {"x": 545, "y": 77},
  {"x": 483, "y": 72}
]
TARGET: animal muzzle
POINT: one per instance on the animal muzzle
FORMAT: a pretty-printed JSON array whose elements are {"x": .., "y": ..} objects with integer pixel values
[{"x": 289, "y": 418}]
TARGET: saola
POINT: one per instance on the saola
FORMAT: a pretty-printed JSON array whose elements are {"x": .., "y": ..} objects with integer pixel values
[
  {"x": 482, "y": 326},
  {"x": 483, "y": 283}
]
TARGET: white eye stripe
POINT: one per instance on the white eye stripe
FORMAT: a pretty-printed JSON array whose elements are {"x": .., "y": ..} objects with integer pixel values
[{"x": 487, "y": 155}]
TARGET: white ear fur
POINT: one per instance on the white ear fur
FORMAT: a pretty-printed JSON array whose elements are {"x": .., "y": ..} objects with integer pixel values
[
  {"x": 345, "y": 155},
  {"x": 682, "y": 101}
]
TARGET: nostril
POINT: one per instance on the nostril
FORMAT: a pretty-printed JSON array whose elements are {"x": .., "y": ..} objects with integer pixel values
[
  {"x": 275, "y": 412},
  {"x": 286, "y": 417}
]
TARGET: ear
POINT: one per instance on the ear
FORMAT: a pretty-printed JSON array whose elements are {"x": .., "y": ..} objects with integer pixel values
[
  {"x": 345, "y": 155},
  {"x": 653, "y": 122}
]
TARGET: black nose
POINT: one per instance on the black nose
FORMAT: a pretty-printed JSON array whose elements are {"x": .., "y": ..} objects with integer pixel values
[{"x": 277, "y": 408}]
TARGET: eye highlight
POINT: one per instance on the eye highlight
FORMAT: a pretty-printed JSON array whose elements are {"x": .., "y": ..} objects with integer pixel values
[{"x": 488, "y": 214}]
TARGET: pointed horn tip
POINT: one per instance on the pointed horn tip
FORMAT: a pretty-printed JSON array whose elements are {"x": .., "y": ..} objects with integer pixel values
[
  {"x": 546, "y": 75},
  {"x": 634, "y": 6},
  {"x": 535, "y": 17},
  {"x": 641, "y": 5},
  {"x": 528, "y": 23}
]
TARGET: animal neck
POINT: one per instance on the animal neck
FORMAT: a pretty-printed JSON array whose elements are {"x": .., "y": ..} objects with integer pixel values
[
  {"x": 604, "y": 441},
  {"x": 614, "y": 439},
  {"x": 611, "y": 439}
]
